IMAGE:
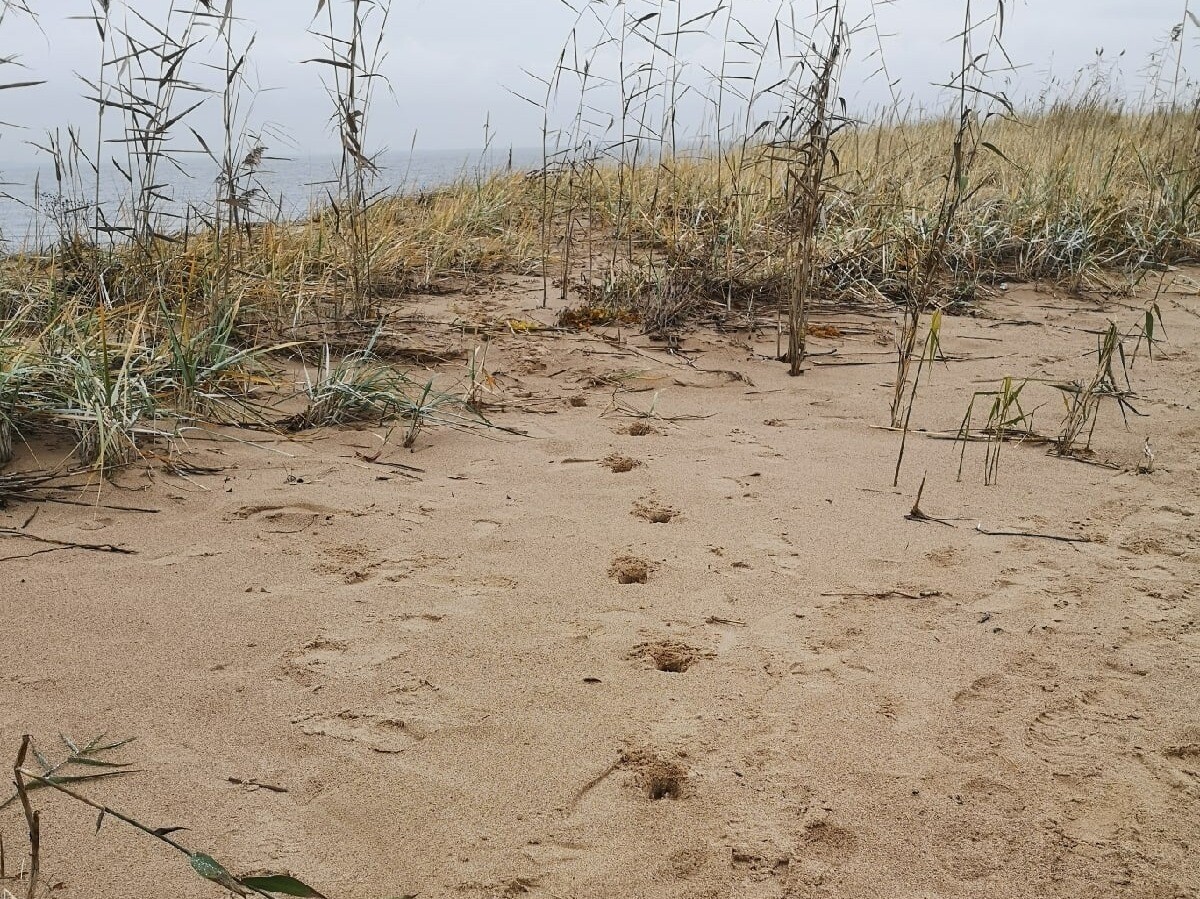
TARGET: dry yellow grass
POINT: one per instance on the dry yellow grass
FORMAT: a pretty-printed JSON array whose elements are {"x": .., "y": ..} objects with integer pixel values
[{"x": 1077, "y": 195}]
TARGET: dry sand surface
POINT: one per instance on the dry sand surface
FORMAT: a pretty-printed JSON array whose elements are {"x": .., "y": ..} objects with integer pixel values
[{"x": 732, "y": 670}]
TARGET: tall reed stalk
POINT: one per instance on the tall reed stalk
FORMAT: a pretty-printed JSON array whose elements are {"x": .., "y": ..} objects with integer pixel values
[
  {"x": 355, "y": 44},
  {"x": 812, "y": 124},
  {"x": 972, "y": 102}
]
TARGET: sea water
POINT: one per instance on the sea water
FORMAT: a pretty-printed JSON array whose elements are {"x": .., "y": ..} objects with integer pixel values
[{"x": 285, "y": 187}]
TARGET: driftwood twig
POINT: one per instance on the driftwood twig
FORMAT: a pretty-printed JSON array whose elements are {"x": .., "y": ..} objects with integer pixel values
[
  {"x": 69, "y": 544},
  {"x": 1060, "y": 538},
  {"x": 915, "y": 514}
]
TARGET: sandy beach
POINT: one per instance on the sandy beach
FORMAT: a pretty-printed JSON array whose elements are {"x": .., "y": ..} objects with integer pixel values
[{"x": 677, "y": 640}]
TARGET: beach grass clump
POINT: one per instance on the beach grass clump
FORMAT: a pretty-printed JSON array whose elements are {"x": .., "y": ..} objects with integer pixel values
[{"x": 356, "y": 388}]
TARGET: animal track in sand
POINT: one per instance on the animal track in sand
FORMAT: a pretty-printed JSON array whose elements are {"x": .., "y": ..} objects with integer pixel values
[
  {"x": 823, "y": 848},
  {"x": 761, "y": 861},
  {"x": 640, "y": 428},
  {"x": 322, "y": 658},
  {"x": 828, "y": 841},
  {"x": 427, "y": 617},
  {"x": 619, "y": 464},
  {"x": 991, "y": 705},
  {"x": 653, "y": 511},
  {"x": 414, "y": 690},
  {"x": 285, "y": 519},
  {"x": 630, "y": 570},
  {"x": 1184, "y": 752},
  {"x": 1080, "y": 722},
  {"x": 466, "y": 586},
  {"x": 303, "y": 665},
  {"x": 354, "y": 562},
  {"x": 986, "y": 693},
  {"x": 660, "y": 778},
  {"x": 735, "y": 488},
  {"x": 946, "y": 557},
  {"x": 405, "y": 568},
  {"x": 1178, "y": 764},
  {"x": 1151, "y": 544},
  {"x": 671, "y": 656},
  {"x": 379, "y": 733},
  {"x": 1056, "y": 728},
  {"x": 889, "y": 707},
  {"x": 192, "y": 553}
]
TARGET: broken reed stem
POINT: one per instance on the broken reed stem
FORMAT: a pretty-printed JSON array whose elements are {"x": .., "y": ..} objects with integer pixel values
[
  {"x": 263, "y": 884},
  {"x": 916, "y": 507},
  {"x": 1037, "y": 535},
  {"x": 963, "y": 152},
  {"x": 67, "y": 544},
  {"x": 929, "y": 354},
  {"x": 33, "y": 820},
  {"x": 104, "y": 810}
]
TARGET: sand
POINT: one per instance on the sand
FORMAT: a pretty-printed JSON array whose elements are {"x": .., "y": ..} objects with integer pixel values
[{"x": 731, "y": 668}]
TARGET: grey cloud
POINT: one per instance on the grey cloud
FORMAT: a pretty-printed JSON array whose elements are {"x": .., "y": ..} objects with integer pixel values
[{"x": 453, "y": 63}]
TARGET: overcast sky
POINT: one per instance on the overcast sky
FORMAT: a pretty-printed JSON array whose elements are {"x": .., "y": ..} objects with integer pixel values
[{"x": 453, "y": 63}]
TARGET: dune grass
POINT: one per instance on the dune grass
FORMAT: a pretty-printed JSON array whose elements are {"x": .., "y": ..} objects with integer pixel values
[
  {"x": 128, "y": 323},
  {"x": 194, "y": 326}
]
